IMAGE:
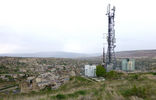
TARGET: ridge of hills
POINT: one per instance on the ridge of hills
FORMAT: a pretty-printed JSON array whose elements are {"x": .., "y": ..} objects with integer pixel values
[
  {"x": 119, "y": 54},
  {"x": 137, "y": 54}
]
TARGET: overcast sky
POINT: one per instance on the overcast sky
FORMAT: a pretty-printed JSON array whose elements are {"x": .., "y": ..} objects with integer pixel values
[{"x": 28, "y": 26}]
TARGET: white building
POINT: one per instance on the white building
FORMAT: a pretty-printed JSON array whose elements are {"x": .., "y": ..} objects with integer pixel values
[{"x": 90, "y": 70}]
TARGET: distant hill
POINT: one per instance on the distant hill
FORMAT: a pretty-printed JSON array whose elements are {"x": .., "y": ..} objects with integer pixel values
[
  {"x": 121, "y": 54},
  {"x": 137, "y": 54},
  {"x": 52, "y": 54}
]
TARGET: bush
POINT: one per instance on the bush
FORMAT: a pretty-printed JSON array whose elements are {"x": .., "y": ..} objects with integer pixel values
[
  {"x": 47, "y": 88},
  {"x": 112, "y": 75},
  {"x": 100, "y": 71},
  {"x": 60, "y": 96},
  {"x": 72, "y": 95},
  {"x": 77, "y": 93},
  {"x": 42, "y": 99},
  {"x": 134, "y": 77},
  {"x": 135, "y": 91},
  {"x": 153, "y": 73},
  {"x": 81, "y": 92},
  {"x": 71, "y": 78}
]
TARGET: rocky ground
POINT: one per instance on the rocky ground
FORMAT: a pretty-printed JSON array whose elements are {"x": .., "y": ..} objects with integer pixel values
[{"x": 34, "y": 74}]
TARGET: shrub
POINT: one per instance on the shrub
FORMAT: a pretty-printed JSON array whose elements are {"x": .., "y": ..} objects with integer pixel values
[
  {"x": 77, "y": 93},
  {"x": 100, "y": 71},
  {"x": 134, "y": 77},
  {"x": 72, "y": 95},
  {"x": 42, "y": 99},
  {"x": 153, "y": 73},
  {"x": 47, "y": 88},
  {"x": 112, "y": 75},
  {"x": 81, "y": 92},
  {"x": 33, "y": 92},
  {"x": 71, "y": 78},
  {"x": 135, "y": 91},
  {"x": 60, "y": 96}
]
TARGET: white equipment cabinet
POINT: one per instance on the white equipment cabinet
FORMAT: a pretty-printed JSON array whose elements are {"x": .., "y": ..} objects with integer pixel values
[{"x": 90, "y": 70}]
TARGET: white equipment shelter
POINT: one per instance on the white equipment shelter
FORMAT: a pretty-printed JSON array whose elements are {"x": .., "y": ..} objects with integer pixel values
[{"x": 90, "y": 70}]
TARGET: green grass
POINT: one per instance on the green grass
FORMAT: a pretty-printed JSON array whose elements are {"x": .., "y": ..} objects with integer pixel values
[
  {"x": 81, "y": 92},
  {"x": 42, "y": 99},
  {"x": 76, "y": 94},
  {"x": 60, "y": 96},
  {"x": 141, "y": 92},
  {"x": 153, "y": 73},
  {"x": 69, "y": 95},
  {"x": 81, "y": 88},
  {"x": 133, "y": 77}
]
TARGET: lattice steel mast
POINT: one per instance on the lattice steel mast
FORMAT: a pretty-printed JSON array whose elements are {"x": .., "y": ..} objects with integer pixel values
[{"x": 110, "y": 56}]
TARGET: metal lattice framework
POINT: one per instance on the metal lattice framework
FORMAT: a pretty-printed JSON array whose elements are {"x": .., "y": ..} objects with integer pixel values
[{"x": 110, "y": 56}]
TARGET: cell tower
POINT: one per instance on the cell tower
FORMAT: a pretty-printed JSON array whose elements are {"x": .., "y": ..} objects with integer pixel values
[{"x": 110, "y": 56}]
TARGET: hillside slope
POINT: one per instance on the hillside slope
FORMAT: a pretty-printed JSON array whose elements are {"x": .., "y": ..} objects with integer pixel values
[{"x": 137, "y": 54}]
